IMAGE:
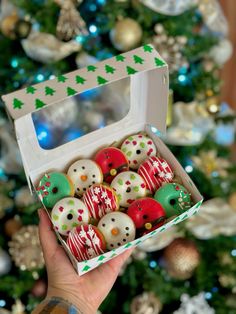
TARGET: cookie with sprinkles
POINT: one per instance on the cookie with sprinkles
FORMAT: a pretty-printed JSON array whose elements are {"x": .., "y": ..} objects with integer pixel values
[
  {"x": 155, "y": 171},
  {"x": 137, "y": 148},
  {"x": 53, "y": 187},
  {"x": 69, "y": 213},
  {"x": 100, "y": 200},
  {"x": 174, "y": 198},
  {"x": 128, "y": 186},
  {"x": 86, "y": 242}
]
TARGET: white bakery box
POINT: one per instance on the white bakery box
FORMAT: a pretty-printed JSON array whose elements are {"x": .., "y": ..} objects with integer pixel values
[{"x": 148, "y": 78}]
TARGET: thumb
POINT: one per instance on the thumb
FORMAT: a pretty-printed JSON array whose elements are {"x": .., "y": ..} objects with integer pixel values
[{"x": 47, "y": 236}]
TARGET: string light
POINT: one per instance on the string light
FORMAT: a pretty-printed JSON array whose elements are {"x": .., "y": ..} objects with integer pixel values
[
  {"x": 182, "y": 79},
  {"x": 208, "y": 295},
  {"x": 2, "y": 303},
  {"x": 92, "y": 7},
  {"x": 153, "y": 264},
  {"x": 14, "y": 63},
  {"x": 40, "y": 77},
  {"x": 101, "y": 2},
  {"x": 189, "y": 168},
  {"x": 93, "y": 29},
  {"x": 80, "y": 39},
  {"x": 233, "y": 252}
]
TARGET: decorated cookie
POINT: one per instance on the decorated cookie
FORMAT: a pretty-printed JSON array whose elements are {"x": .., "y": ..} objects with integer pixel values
[
  {"x": 128, "y": 186},
  {"x": 155, "y": 171},
  {"x": 147, "y": 214},
  {"x": 84, "y": 173},
  {"x": 53, "y": 187},
  {"x": 86, "y": 242},
  {"x": 137, "y": 148},
  {"x": 117, "y": 228},
  {"x": 68, "y": 213},
  {"x": 112, "y": 161},
  {"x": 100, "y": 200},
  {"x": 174, "y": 198}
]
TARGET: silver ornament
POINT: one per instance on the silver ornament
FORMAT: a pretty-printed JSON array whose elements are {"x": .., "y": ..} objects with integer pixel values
[
  {"x": 5, "y": 263},
  {"x": 46, "y": 48},
  {"x": 146, "y": 303},
  {"x": 222, "y": 52},
  {"x": 169, "y": 7}
]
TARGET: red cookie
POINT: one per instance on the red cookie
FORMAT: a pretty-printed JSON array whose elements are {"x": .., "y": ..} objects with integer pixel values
[
  {"x": 86, "y": 242},
  {"x": 112, "y": 161},
  {"x": 100, "y": 200},
  {"x": 155, "y": 171},
  {"x": 147, "y": 214}
]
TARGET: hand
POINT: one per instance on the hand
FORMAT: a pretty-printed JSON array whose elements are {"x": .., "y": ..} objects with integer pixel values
[{"x": 85, "y": 292}]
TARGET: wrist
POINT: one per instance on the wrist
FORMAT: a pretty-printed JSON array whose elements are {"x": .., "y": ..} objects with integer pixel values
[{"x": 71, "y": 299}]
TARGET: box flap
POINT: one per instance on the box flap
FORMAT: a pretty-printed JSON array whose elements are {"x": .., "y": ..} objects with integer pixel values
[{"x": 148, "y": 76}]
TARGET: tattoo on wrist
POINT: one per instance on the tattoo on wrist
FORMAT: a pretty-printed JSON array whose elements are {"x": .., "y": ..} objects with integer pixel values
[{"x": 56, "y": 305}]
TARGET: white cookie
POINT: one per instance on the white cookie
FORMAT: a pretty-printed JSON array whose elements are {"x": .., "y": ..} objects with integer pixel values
[
  {"x": 137, "y": 148},
  {"x": 68, "y": 213},
  {"x": 128, "y": 186},
  {"x": 84, "y": 173},
  {"x": 117, "y": 229}
]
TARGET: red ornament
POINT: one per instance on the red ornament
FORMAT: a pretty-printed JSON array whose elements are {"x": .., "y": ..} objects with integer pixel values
[
  {"x": 147, "y": 214},
  {"x": 39, "y": 289},
  {"x": 112, "y": 161},
  {"x": 86, "y": 242},
  {"x": 155, "y": 171}
]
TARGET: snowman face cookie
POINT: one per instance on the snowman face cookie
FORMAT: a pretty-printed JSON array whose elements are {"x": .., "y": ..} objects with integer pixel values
[
  {"x": 84, "y": 173},
  {"x": 68, "y": 213},
  {"x": 155, "y": 171},
  {"x": 128, "y": 186},
  {"x": 117, "y": 229},
  {"x": 137, "y": 148}
]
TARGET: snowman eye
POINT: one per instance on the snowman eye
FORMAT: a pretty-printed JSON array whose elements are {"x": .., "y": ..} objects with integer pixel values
[
  {"x": 104, "y": 225},
  {"x": 75, "y": 170},
  {"x": 127, "y": 228},
  {"x": 83, "y": 167},
  {"x": 94, "y": 176},
  {"x": 113, "y": 219},
  {"x": 172, "y": 201}
]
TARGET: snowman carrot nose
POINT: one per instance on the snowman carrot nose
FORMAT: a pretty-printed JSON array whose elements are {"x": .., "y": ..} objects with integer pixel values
[
  {"x": 115, "y": 231},
  {"x": 113, "y": 172},
  {"x": 83, "y": 178},
  {"x": 148, "y": 225}
]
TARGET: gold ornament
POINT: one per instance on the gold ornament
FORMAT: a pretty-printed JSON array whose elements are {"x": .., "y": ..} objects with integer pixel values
[
  {"x": 146, "y": 303},
  {"x": 227, "y": 281},
  {"x": 8, "y": 24},
  {"x": 212, "y": 104},
  {"x": 70, "y": 22},
  {"x": 25, "y": 248},
  {"x": 232, "y": 201},
  {"x": 12, "y": 225},
  {"x": 126, "y": 35},
  {"x": 181, "y": 258},
  {"x": 170, "y": 48},
  {"x": 208, "y": 162},
  {"x": 215, "y": 218}
]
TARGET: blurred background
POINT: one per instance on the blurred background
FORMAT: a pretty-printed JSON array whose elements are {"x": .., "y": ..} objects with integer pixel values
[{"x": 191, "y": 268}]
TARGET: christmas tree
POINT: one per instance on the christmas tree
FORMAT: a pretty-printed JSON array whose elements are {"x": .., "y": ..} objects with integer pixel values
[{"x": 189, "y": 267}]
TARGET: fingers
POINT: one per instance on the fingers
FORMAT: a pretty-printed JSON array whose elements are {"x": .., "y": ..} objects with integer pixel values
[{"x": 47, "y": 236}]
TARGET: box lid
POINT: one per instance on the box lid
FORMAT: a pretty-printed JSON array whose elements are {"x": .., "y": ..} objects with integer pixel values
[{"x": 148, "y": 75}]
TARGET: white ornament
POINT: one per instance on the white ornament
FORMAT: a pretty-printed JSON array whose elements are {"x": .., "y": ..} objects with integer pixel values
[
  {"x": 222, "y": 52},
  {"x": 5, "y": 263},
  {"x": 191, "y": 123},
  {"x": 194, "y": 305},
  {"x": 215, "y": 217},
  {"x": 46, "y": 48},
  {"x": 170, "y": 7},
  {"x": 24, "y": 198}
]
